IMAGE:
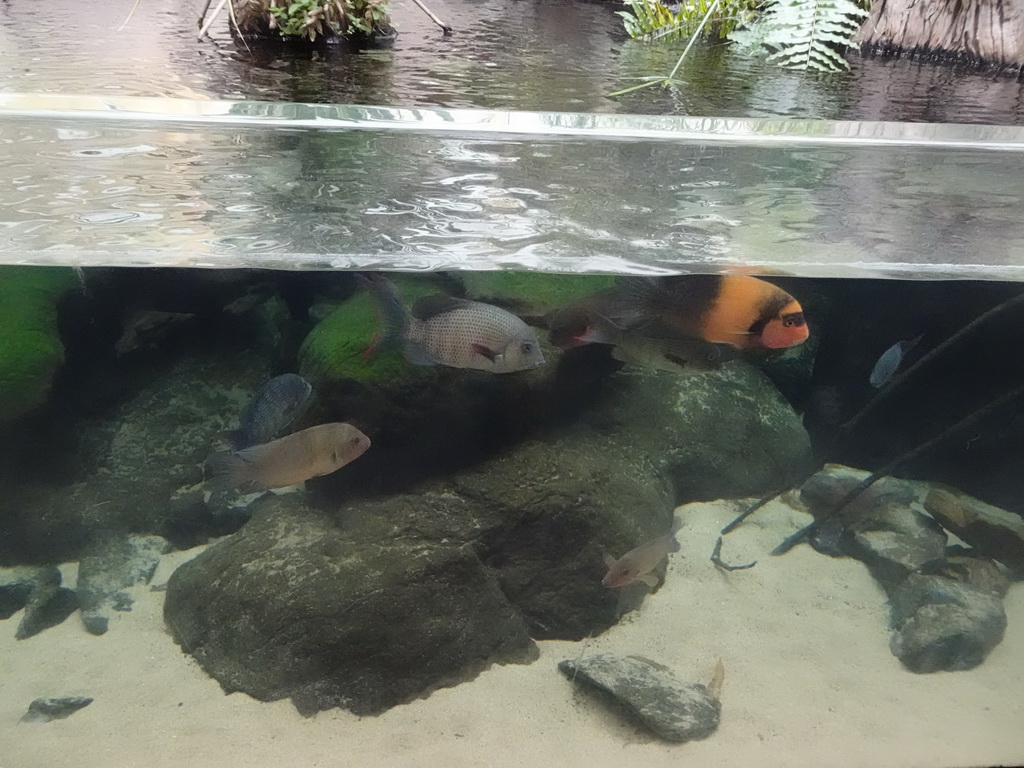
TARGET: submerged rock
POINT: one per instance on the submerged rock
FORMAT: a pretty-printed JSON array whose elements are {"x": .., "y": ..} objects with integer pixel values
[
  {"x": 111, "y": 565},
  {"x": 45, "y": 710},
  {"x": 293, "y": 606},
  {"x": 991, "y": 530},
  {"x": 38, "y": 591},
  {"x": 674, "y": 710},
  {"x": 943, "y": 624}
]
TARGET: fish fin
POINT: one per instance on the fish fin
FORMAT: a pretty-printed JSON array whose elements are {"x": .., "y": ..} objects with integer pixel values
[
  {"x": 649, "y": 579},
  {"x": 227, "y": 470},
  {"x": 416, "y": 354},
  {"x": 430, "y": 306},
  {"x": 592, "y": 336},
  {"x": 485, "y": 351},
  {"x": 238, "y": 438},
  {"x": 393, "y": 314}
]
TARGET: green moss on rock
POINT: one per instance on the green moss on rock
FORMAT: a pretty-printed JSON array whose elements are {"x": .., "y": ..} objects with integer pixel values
[
  {"x": 336, "y": 348},
  {"x": 30, "y": 348},
  {"x": 532, "y": 292}
]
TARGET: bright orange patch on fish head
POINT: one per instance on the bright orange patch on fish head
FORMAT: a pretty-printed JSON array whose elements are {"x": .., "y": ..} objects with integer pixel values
[{"x": 787, "y": 329}]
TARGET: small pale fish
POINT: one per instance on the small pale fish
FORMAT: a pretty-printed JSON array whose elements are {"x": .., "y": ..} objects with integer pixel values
[
  {"x": 288, "y": 460},
  {"x": 717, "y": 681},
  {"x": 639, "y": 564},
  {"x": 458, "y": 333},
  {"x": 275, "y": 408},
  {"x": 890, "y": 361}
]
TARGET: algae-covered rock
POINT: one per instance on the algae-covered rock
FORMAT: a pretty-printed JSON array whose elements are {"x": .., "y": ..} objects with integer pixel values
[
  {"x": 532, "y": 293},
  {"x": 296, "y": 606},
  {"x": 336, "y": 349},
  {"x": 30, "y": 348}
]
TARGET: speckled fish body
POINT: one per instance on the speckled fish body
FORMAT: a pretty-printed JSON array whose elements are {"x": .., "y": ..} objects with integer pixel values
[
  {"x": 458, "y": 333},
  {"x": 639, "y": 564},
  {"x": 273, "y": 410},
  {"x": 288, "y": 460},
  {"x": 470, "y": 334}
]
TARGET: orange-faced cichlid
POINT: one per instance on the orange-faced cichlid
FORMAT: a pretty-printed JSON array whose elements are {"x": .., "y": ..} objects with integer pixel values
[
  {"x": 743, "y": 311},
  {"x": 288, "y": 460},
  {"x": 639, "y": 564},
  {"x": 458, "y": 333}
]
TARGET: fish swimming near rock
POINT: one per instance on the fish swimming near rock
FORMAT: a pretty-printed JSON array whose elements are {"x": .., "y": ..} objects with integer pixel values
[
  {"x": 288, "y": 460},
  {"x": 458, "y": 333},
  {"x": 743, "y": 311},
  {"x": 273, "y": 410},
  {"x": 581, "y": 323},
  {"x": 890, "y": 361},
  {"x": 639, "y": 564}
]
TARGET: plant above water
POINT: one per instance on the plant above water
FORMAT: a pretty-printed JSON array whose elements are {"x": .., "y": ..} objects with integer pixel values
[
  {"x": 650, "y": 20},
  {"x": 798, "y": 34},
  {"x": 310, "y": 18}
]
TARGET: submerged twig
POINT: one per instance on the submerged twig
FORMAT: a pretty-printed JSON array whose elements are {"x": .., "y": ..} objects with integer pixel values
[
  {"x": 213, "y": 16},
  {"x": 749, "y": 511},
  {"x": 893, "y": 384},
  {"x": 794, "y": 539},
  {"x": 444, "y": 27},
  {"x": 716, "y": 558}
]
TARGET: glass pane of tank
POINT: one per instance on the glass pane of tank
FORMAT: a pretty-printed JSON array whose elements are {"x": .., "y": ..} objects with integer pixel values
[{"x": 424, "y": 434}]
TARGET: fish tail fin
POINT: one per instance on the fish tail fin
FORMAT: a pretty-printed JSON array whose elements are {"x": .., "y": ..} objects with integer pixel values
[
  {"x": 394, "y": 316},
  {"x": 226, "y": 470},
  {"x": 632, "y": 300},
  {"x": 677, "y": 524}
]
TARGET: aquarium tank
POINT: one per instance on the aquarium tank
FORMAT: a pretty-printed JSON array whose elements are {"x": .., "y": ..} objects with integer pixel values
[{"x": 421, "y": 404}]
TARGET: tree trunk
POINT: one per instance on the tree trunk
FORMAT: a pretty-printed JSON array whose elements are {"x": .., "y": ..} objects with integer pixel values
[{"x": 987, "y": 32}]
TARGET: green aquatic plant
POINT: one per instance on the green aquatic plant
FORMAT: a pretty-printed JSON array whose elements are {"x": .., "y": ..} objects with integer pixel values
[
  {"x": 804, "y": 34},
  {"x": 31, "y": 351},
  {"x": 798, "y": 34},
  {"x": 650, "y": 20},
  {"x": 312, "y": 18}
]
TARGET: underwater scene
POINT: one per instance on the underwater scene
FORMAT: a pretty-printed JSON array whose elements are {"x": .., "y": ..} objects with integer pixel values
[{"x": 419, "y": 438}]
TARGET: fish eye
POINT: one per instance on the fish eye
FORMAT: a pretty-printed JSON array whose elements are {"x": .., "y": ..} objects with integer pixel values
[
  {"x": 793, "y": 320},
  {"x": 527, "y": 347}
]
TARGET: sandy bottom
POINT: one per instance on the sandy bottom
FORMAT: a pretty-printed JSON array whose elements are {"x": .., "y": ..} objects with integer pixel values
[{"x": 809, "y": 681}]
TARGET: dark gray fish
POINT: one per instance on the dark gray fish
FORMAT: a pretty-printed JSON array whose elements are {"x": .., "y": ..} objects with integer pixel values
[
  {"x": 890, "y": 362},
  {"x": 274, "y": 410},
  {"x": 458, "y": 333}
]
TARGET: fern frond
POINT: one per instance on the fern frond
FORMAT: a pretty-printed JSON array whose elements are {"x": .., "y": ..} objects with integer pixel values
[{"x": 804, "y": 34}]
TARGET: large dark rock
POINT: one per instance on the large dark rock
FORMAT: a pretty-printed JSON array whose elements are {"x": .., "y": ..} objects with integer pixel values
[
  {"x": 541, "y": 517},
  {"x": 674, "y": 710},
  {"x": 940, "y": 623},
  {"x": 294, "y": 606}
]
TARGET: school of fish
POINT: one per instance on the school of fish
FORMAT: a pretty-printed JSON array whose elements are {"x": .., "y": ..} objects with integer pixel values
[{"x": 682, "y": 324}]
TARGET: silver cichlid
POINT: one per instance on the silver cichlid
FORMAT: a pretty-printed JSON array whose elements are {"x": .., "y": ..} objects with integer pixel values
[
  {"x": 639, "y": 564},
  {"x": 273, "y": 410},
  {"x": 890, "y": 362},
  {"x": 458, "y": 333},
  {"x": 289, "y": 460}
]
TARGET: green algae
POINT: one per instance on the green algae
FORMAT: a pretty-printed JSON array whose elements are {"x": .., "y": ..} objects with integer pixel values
[
  {"x": 336, "y": 349},
  {"x": 30, "y": 348},
  {"x": 537, "y": 291}
]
